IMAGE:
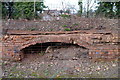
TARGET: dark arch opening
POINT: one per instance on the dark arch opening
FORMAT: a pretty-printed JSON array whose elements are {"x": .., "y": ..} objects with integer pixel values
[{"x": 43, "y": 48}]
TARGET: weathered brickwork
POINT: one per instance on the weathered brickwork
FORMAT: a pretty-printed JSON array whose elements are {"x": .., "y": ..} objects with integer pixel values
[{"x": 98, "y": 42}]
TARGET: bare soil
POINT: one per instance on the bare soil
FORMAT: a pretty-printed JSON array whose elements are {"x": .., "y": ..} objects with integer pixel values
[
  {"x": 73, "y": 23},
  {"x": 64, "y": 62}
]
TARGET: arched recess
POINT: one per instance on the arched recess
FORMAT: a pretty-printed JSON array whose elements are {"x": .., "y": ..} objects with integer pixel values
[
  {"x": 39, "y": 41},
  {"x": 38, "y": 47},
  {"x": 48, "y": 47}
]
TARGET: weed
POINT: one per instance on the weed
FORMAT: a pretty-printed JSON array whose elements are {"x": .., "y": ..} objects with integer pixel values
[
  {"x": 46, "y": 72},
  {"x": 32, "y": 29},
  {"x": 67, "y": 29},
  {"x": 75, "y": 24},
  {"x": 64, "y": 26},
  {"x": 51, "y": 29},
  {"x": 41, "y": 53},
  {"x": 65, "y": 16},
  {"x": 34, "y": 74},
  {"x": 16, "y": 73},
  {"x": 91, "y": 27}
]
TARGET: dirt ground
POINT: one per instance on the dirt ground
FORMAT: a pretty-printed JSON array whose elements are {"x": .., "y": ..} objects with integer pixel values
[
  {"x": 69, "y": 24},
  {"x": 64, "y": 62}
]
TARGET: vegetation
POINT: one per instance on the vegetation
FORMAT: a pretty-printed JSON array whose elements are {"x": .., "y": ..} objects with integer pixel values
[
  {"x": 29, "y": 10},
  {"x": 109, "y": 9},
  {"x": 104, "y": 9},
  {"x": 75, "y": 24},
  {"x": 21, "y": 10},
  {"x": 80, "y": 8},
  {"x": 51, "y": 29},
  {"x": 32, "y": 28},
  {"x": 65, "y": 16},
  {"x": 67, "y": 29},
  {"x": 64, "y": 26}
]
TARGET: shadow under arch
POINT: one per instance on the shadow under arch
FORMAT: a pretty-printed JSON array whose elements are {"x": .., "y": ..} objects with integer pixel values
[{"x": 42, "y": 47}]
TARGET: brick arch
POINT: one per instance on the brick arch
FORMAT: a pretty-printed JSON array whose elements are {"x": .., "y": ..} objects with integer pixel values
[{"x": 62, "y": 40}]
